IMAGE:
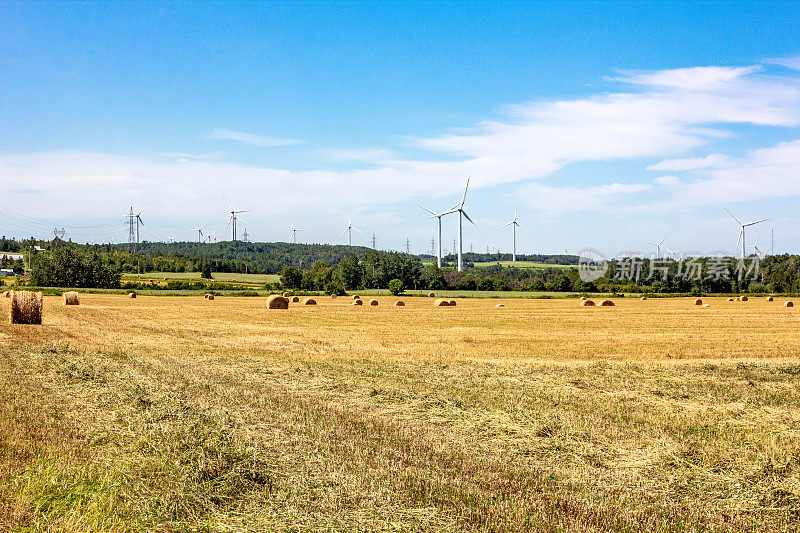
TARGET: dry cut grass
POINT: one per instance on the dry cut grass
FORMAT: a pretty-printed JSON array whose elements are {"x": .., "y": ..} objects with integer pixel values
[{"x": 180, "y": 414}]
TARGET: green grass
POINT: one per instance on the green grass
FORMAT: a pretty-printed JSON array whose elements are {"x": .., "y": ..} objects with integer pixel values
[
  {"x": 522, "y": 264},
  {"x": 218, "y": 276}
]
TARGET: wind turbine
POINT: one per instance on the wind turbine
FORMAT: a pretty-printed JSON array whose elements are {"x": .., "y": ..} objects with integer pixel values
[
  {"x": 349, "y": 230},
  {"x": 459, "y": 208},
  {"x": 438, "y": 217},
  {"x": 658, "y": 246},
  {"x": 233, "y": 218},
  {"x": 294, "y": 232},
  {"x": 514, "y": 225},
  {"x": 199, "y": 232},
  {"x": 755, "y": 247},
  {"x": 135, "y": 219},
  {"x": 741, "y": 230}
]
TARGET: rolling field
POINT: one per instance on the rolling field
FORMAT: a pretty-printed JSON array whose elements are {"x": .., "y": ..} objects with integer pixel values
[
  {"x": 177, "y": 413},
  {"x": 217, "y": 276}
]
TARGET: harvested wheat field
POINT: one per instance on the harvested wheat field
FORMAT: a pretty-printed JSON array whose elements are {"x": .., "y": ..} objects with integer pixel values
[{"x": 165, "y": 413}]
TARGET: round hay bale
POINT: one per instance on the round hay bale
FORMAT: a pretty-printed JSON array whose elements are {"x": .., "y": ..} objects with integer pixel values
[
  {"x": 441, "y": 303},
  {"x": 205, "y": 296},
  {"x": 499, "y": 305},
  {"x": 131, "y": 295},
  {"x": 209, "y": 296},
  {"x": 7, "y": 294},
  {"x": 356, "y": 302},
  {"x": 788, "y": 304},
  {"x": 276, "y": 301},
  {"x": 399, "y": 303},
  {"x": 770, "y": 298},
  {"x": 71, "y": 298},
  {"x": 606, "y": 303},
  {"x": 285, "y": 294},
  {"x": 643, "y": 298},
  {"x": 730, "y": 299},
  {"x": 295, "y": 299},
  {"x": 452, "y": 303},
  {"x": 698, "y": 301},
  {"x": 743, "y": 299},
  {"x": 431, "y": 295},
  {"x": 356, "y": 297},
  {"x": 587, "y": 303},
  {"x": 309, "y": 301},
  {"x": 373, "y": 302},
  {"x": 738, "y": 299},
  {"x": 333, "y": 296},
  {"x": 26, "y": 307},
  {"x": 583, "y": 298}
]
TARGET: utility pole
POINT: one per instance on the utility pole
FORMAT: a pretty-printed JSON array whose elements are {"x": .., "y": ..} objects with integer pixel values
[
  {"x": 374, "y": 241},
  {"x": 408, "y": 246},
  {"x": 470, "y": 247},
  {"x": 433, "y": 246},
  {"x": 58, "y": 235},
  {"x": 455, "y": 247}
]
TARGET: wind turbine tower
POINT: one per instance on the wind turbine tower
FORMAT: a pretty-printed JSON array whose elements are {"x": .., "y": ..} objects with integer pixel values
[
  {"x": 658, "y": 247},
  {"x": 134, "y": 220},
  {"x": 349, "y": 230},
  {"x": 741, "y": 230},
  {"x": 294, "y": 232},
  {"x": 233, "y": 218},
  {"x": 459, "y": 208},
  {"x": 514, "y": 224}
]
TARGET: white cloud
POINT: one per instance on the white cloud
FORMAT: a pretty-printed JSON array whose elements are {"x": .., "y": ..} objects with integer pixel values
[
  {"x": 257, "y": 140},
  {"x": 667, "y": 180},
  {"x": 788, "y": 62},
  {"x": 677, "y": 165},
  {"x": 568, "y": 199}
]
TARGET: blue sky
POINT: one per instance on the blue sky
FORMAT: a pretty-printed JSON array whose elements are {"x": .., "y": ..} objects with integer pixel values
[{"x": 611, "y": 124}]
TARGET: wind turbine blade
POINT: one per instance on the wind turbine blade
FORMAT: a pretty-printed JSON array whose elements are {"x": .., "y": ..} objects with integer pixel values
[
  {"x": 756, "y": 222},
  {"x": 349, "y": 223},
  {"x": 739, "y": 240},
  {"x": 242, "y": 220},
  {"x": 358, "y": 230},
  {"x": 426, "y": 209},
  {"x": 520, "y": 226},
  {"x": 662, "y": 241},
  {"x": 464, "y": 198},
  {"x": 516, "y": 207},
  {"x": 230, "y": 219},
  {"x": 140, "y": 220},
  {"x": 345, "y": 231},
  {"x": 242, "y": 210},
  {"x": 300, "y": 229},
  {"x": 734, "y": 216},
  {"x": 471, "y": 221},
  {"x": 140, "y": 209},
  {"x": 506, "y": 224},
  {"x": 226, "y": 201}
]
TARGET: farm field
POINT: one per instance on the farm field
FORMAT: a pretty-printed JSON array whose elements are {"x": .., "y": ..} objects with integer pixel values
[
  {"x": 217, "y": 276},
  {"x": 178, "y": 413},
  {"x": 519, "y": 264}
]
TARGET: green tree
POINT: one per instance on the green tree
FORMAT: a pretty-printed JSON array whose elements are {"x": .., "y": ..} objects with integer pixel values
[
  {"x": 69, "y": 266},
  {"x": 206, "y": 273},
  {"x": 396, "y": 287},
  {"x": 291, "y": 277}
]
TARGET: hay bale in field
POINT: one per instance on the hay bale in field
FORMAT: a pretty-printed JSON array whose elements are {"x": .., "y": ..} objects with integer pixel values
[
  {"x": 309, "y": 301},
  {"x": 7, "y": 294},
  {"x": 788, "y": 304},
  {"x": 356, "y": 297},
  {"x": 205, "y": 296},
  {"x": 587, "y": 303},
  {"x": 399, "y": 303},
  {"x": 606, "y": 303},
  {"x": 357, "y": 302},
  {"x": 333, "y": 296},
  {"x": 452, "y": 303},
  {"x": 431, "y": 295},
  {"x": 131, "y": 295},
  {"x": 285, "y": 294},
  {"x": 583, "y": 298},
  {"x": 770, "y": 298},
  {"x": 295, "y": 299},
  {"x": 441, "y": 303},
  {"x": 209, "y": 296},
  {"x": 738, "y": 299},
  {"x": 373, "y": 302},
  {"x": 276, "y": 301},
  {"x": 698, "y": 301},
  {"x": 26, "y": 307},
  {"x": 499, "y": 305},
  {"x": 743, "y": 298},
  {"x": 71, "y": 298},
  {"x": 643, "y": 298}
]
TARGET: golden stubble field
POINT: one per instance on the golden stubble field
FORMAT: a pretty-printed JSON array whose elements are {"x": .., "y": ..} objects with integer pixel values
[{"x": 177, "y": 413}]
